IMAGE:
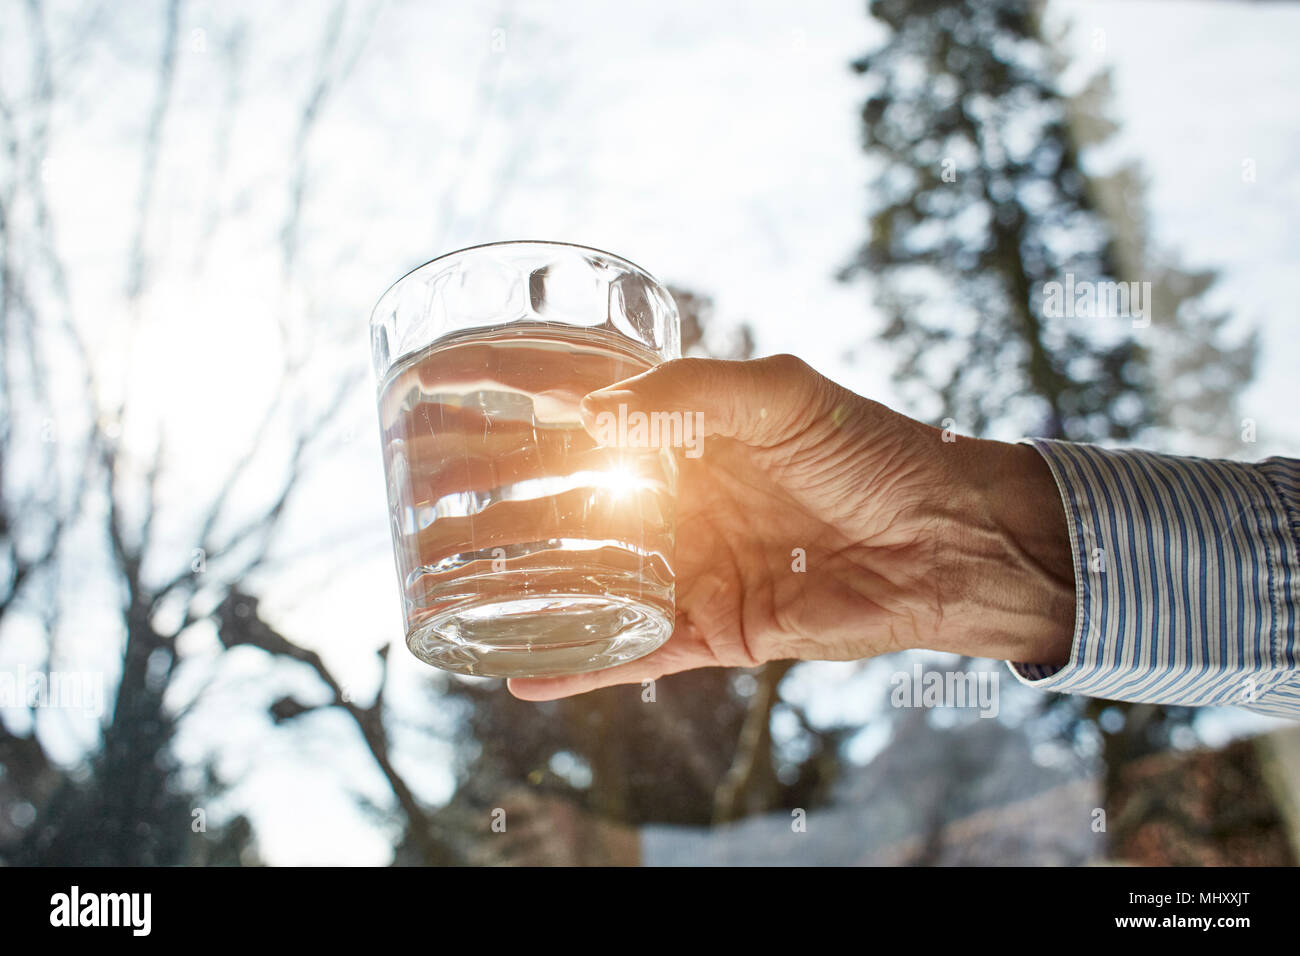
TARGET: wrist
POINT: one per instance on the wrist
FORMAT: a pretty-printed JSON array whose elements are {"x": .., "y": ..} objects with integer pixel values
[{"x": 1012, "y": 568}]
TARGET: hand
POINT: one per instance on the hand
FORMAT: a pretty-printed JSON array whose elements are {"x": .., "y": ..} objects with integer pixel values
[{"x": 820, "y": 525}]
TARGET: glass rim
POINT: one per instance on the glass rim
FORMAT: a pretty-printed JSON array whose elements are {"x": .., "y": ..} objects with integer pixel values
[{"x": 513, "y": 242}]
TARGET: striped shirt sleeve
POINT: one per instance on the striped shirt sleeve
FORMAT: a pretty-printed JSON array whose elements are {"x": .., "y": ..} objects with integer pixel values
[{"x": 1186, "y": 576}]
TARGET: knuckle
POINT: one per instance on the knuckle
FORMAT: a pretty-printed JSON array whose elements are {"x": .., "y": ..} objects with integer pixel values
[
  {"x": 786, "y": 364},
  {"x": 797, "y": 380}
]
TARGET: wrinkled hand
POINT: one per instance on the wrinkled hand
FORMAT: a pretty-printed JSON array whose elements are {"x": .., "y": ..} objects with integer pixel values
[{"x": 819, "y": 525}]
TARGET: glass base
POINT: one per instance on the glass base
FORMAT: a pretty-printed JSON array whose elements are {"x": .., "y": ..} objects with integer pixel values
[{"x": 540, "y": 636}]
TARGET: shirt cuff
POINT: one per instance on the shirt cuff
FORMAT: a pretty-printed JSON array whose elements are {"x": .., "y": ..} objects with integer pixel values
[{"x": 1185, "y": 574}]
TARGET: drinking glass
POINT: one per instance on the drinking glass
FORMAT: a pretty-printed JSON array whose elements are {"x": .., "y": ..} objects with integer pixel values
[{"x": 523, "y": 546}]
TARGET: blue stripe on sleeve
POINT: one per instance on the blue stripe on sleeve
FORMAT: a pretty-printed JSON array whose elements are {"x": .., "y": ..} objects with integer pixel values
[{"x": 1186, "y": 575}]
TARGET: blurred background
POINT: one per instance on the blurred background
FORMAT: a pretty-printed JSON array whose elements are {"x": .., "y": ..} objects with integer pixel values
[{"x": 201, "y": 659}]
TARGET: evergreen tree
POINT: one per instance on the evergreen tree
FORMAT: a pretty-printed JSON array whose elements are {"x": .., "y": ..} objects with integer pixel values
[{"x": 984, "y": 210}]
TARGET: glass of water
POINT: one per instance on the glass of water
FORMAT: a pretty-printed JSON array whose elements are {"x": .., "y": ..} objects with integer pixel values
[{"x": 524, "y": 548}]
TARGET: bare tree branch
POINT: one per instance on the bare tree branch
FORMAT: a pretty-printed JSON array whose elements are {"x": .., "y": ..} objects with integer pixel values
[
  {"x": 240, "y": 624},
  {"x": 751, "y": 768}
]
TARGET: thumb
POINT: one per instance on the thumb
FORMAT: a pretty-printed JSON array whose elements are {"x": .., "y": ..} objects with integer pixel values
[{"x": 760, "y": 402}]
